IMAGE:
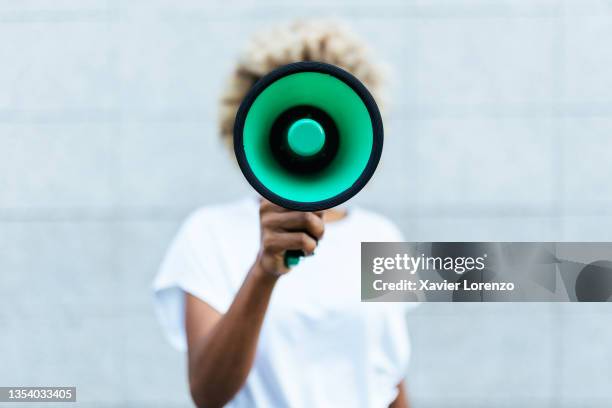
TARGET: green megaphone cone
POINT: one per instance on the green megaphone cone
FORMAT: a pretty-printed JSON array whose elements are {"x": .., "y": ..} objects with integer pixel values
[{"x": 308, "y": 136}]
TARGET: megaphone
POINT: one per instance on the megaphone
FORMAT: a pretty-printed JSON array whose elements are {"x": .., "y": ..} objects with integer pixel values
[{"x": 308, "y": 136}]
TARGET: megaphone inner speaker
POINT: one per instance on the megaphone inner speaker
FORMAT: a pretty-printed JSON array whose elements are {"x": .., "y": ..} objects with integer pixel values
[
  {"x": 308, "y": 136},
  {"x": 304, "y": 139}
]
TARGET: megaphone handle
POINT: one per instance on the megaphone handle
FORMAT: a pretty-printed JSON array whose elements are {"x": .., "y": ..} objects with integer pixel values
[{"x": 292, "y": 257}]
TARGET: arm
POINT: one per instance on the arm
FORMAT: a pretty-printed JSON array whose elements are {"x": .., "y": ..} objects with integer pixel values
[
  {"x": 401, "y": 401},
  {"x": 221, "y": 348}
]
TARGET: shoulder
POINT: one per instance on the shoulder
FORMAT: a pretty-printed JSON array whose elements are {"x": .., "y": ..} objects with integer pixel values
[
  {"x": 207, "y": 218},
  {"x": 210, "y": 213},
  {"x": 386, "y": 229},
  {"x": 204, "y": 242}
]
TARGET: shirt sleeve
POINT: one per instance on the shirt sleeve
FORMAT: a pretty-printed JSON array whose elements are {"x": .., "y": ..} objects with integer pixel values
[
  {"x": 191, "y": 265},
  {"x": 394, "y": 233},
  {"x": 391, "y": 233},
  {"x": 396, "y": 338}
]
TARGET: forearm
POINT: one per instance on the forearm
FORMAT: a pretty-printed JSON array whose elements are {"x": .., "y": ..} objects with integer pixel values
[
  {"x": 221, "y": 362},
  {"x": 401, "y": 401}
]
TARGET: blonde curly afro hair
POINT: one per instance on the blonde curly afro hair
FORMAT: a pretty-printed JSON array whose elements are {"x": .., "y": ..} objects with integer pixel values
[{"x": 313, "y": 40}]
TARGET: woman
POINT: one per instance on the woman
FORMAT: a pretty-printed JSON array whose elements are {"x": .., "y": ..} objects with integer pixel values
[{"x": 257, "y": 333}]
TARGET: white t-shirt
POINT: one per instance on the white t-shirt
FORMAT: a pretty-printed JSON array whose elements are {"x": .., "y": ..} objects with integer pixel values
[{"x": 319, "y": 346}]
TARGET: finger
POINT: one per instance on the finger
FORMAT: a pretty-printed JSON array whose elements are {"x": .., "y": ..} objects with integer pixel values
[
  {"x": 280, "y": 242},
  {"x": 295, "y": 221},
  {"x": 266, "y": 206}
]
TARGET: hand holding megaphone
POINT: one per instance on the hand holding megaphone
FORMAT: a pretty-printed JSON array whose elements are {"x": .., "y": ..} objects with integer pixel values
[
  {"x": 284, "y": 231},
  {"x": 308, "y": 136}
]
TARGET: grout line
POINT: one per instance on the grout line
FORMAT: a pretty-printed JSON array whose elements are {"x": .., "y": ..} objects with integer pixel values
[
  {"x": 560, "y": 207},
  {"x": 402, "y": 112},
  {"x": 58, "y": 16},
  {"x": 272, "y": 10},
  {"x": 163, "y": 213},
  {"x": 558, "y": 145},
  {"x": 275, "y": 11},
  {"x": 115, "y": 11}
]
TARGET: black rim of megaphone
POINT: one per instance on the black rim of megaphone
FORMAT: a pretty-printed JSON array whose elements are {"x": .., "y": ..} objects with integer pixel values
[{"x": 347, "y": 78}]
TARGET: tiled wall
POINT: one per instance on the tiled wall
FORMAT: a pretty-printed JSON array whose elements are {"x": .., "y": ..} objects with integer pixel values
[{"x": 500, "y": 129}]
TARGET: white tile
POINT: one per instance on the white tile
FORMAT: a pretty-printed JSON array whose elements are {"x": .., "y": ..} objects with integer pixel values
[
  {"x": 489, "y": 8},
  {"x": 432, "y": 310},
  {"x": 175, "y": 65},
  {"x": 58, "y": 269},
  {"x": 155, "y": 373},
  {"x": 58, "y": 5},
  {"x": 584, "y": 350},
  {"x": 175, "y": 165},
  {"x": 57, "y": 66},
  {"x": 393, "y": 44},
  {"x": 587, "y": 58},
  {"x": 391, "y": 189},
  {"x": 586, "y": 163},
  {"x": 503, "y": 162},
  {"x": 142, "y": 246},
  {"x": 489, "y": 229},
  {"x": 575, "y": 8},
  {"x": 262, "y": 9},
  {"x": 587, "y": 228},
  {"x": 85, "y": 352},
  {"x": 55, "y": 165},
  {"x": 486, "y": 60},
  {"x": 471, "y": 359}
]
